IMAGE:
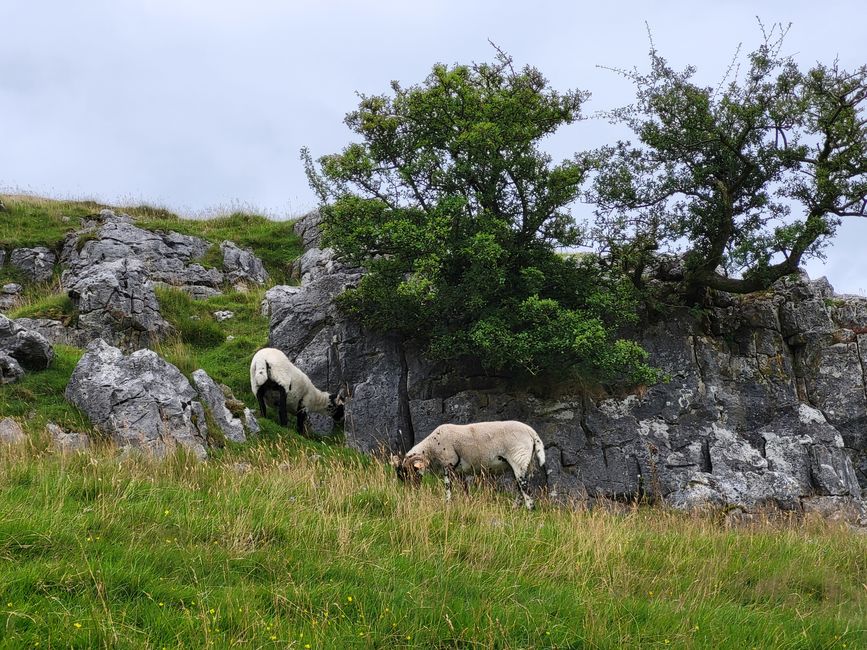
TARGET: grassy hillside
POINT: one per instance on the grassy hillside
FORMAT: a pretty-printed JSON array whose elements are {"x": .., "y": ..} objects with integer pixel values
[
  {"x": 307, "y": 548},
  {"x": 292, "y": 543}
]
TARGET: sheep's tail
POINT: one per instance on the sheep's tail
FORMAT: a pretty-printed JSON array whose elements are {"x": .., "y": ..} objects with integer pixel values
[
  {"x": 261, "y": 372},
  {"x": 539, "y": 449}
]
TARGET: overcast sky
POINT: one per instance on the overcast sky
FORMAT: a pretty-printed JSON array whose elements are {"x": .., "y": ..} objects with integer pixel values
[{"x": 202, "y": 104}]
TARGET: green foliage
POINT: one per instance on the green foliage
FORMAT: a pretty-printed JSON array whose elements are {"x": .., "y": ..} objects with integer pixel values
[
  {"x": 313, "y": 547},
  {"x": 456, "y": 213},
  {"x": 750, "y": 177}
]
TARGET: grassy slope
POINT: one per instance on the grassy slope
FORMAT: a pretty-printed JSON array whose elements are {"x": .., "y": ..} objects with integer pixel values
[
  {"x": 330, "y": 553},
  {"x": 96, "y": 552}
]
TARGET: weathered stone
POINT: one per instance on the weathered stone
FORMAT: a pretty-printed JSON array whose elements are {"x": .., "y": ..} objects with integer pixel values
[
  {"x": 36, "y": 264},
  {"x": 140, "y": 400},
  {"x": 67, "y": 441},
  {"x": 165, "y": 256},
  {"x": 116, "y": 302},
  {"x": 10, "y": 296},
  {"x": 223, "y": 315},
  {"x": 2, "y": 257},
  {"x": 242, "y": 265},
  {"x": 10, "y": 370},
  {"x": 213, "y": 398},
  {"x": 29, "y": 348},
  {"x": 307, "y": 228},
  {"x": 198, "y": 292},
  {"x": 55, "y": 331},
  {"x": 11, "y": 432}
]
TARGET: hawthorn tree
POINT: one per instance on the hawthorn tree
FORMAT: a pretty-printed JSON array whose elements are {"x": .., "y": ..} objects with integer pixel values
[
  {"x": 746, "y": 180},
  {"x": 456, "y": 213}
]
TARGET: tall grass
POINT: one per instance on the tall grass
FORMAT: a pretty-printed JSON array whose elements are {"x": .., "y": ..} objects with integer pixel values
[{"x": 298, "y": 547}]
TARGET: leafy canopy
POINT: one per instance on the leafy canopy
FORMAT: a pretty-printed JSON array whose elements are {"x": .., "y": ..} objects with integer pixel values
[
  {"x": 746, "y": 180},
  {"x": 456, "y": 213}
]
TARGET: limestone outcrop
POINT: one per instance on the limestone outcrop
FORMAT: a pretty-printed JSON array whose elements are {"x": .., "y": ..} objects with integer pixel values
[{"x": 765, "y": 402}]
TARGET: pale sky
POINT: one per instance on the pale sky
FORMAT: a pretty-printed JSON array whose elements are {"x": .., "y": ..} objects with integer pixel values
[{"x": 201, "y": 104}]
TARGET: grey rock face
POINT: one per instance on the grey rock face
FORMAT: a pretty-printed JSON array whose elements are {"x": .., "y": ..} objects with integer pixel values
[
  {"x": 11, "y": 432},
  {"x": 2, "y": 257},
  {"x": 10, "y": 370},
  {"x": 165, "y": 257},
  {"x": 10, "y": 295},
  {"x": 765, "y": 405},
  {"x": 55, "y": 331},
  {"x": 36, "y": 264},
  {"x": 116, "y": 301},
  {"x": 214, "y": 400},
  {"x": 307, "y": 228},
  {"x": 29, "y": 348},
  {"x": 67, "y": 442},
  {"x": 242, "y": 265},
  {"x": 140, "y": 400}
]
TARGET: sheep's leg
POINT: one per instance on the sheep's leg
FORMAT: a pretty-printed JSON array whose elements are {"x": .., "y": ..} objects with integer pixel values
[
  {"x": 301, "y": 425},
  {"x": 523, "y": 484},
  {"x": 260, "y": 396},
  {"x": 448, "y": 481},
  {"x": 284, "y": 418}
]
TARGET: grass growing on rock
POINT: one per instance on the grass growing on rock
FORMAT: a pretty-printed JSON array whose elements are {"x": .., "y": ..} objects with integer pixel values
[
  {"x": 300, "y": 548},
  {"x": 35, "y": 221}
]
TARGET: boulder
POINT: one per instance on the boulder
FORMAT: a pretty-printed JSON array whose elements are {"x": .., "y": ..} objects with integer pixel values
[
  {"x": 30, "y": 349},
  {"x": 116, "y": 301},
  {"x": 55, "y": 331},
  {"x": 168, "y": 257},
  {"x": 241, "y": 265},
  {"x": 11, "y": 432},
  {"x": 223, "y": 314},
  {"x": 141, "y": 401},
  {"x": 307, "y": 229},
  {"x": 214, "y": 400},
  {"x": 36, "y": 264},
  {"x": 10, "y": 296},
  {"x": 67, "y": 441},
  {"x": 10, "y": 370}
]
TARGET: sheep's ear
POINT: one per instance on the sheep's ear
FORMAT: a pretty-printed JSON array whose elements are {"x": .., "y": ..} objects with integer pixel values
[
  {"x": 419, "y": 463},
  {"x": 395, "y": 460}
]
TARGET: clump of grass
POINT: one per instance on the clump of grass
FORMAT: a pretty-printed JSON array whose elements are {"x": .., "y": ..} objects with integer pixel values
[
  {"x": 56, "y": 306},
  {"x": 191, "y": 318},
  {"x": 310, "y": 548},
  {"x": 33, "y": 221}
]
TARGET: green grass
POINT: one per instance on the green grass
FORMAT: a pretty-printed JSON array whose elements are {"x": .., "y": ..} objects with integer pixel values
[
  {"x": 37, "y": 398},
  {"x": 202, "y": 341},
  {"x": 57, "y": 306},
  {"x": 308, "y": 548}
]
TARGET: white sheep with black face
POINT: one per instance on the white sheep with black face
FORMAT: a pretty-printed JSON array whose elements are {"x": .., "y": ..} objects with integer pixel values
[
  {"x": 459, "y": 449},
  {"x": 276, "y": 380}
]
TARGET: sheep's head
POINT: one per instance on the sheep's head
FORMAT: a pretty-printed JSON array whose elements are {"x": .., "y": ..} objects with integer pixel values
[
  {"x": 410, "y": 468},
  {"x": 336, "y": 402}
]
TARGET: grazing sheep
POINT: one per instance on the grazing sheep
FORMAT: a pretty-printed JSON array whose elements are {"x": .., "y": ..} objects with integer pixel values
[
  {"x": 458, "y": 449},
  {"x": 276, "y": 379}
]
